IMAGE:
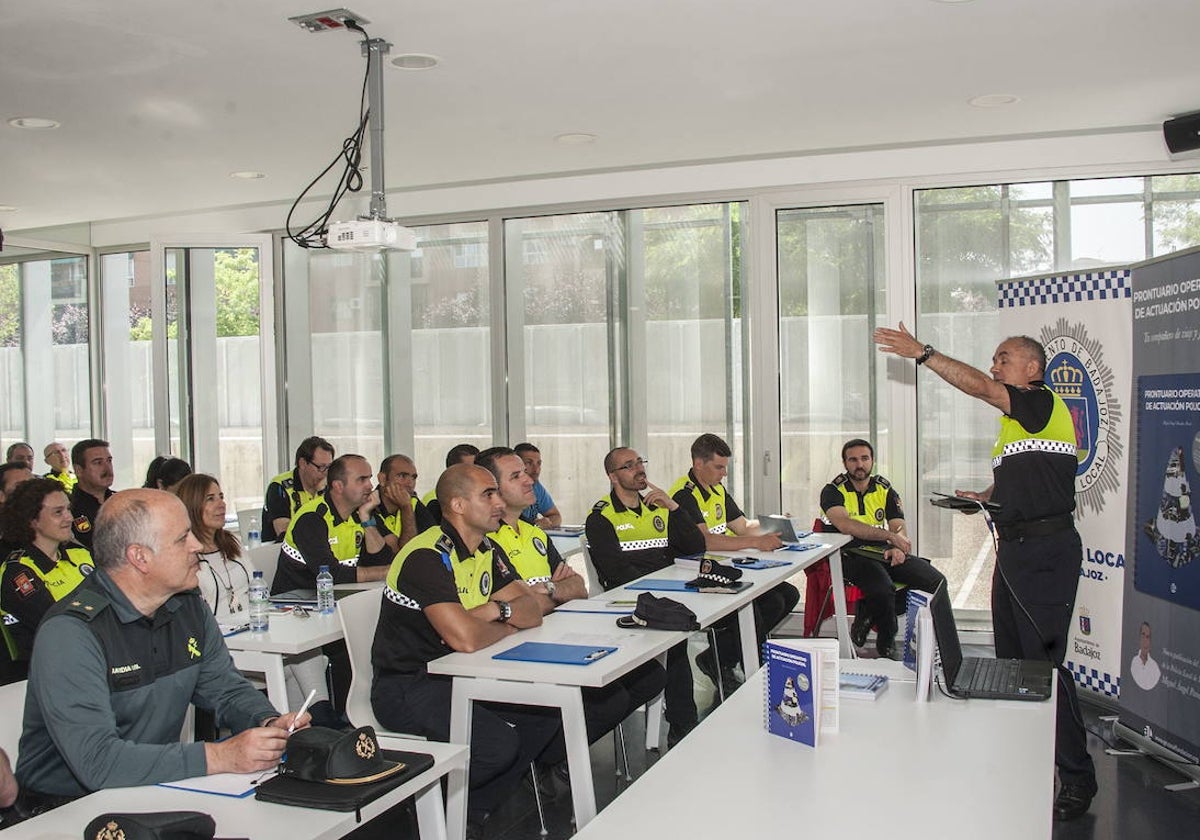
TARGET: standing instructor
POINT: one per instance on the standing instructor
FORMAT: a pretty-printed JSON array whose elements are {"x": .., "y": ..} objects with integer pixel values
[{"x": 1038, "y": 552}]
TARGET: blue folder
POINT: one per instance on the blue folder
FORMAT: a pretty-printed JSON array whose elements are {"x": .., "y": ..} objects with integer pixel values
[
  {"x": 555, "y": 653},
  {"x": 660, "y": 585}
]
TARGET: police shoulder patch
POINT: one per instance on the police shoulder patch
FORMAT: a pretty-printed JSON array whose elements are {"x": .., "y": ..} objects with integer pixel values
[
  {"x": 444, "y": 544},
  {"x": 600, "y": 505},
  {"x": 840, "y": 480},
  {"x": 882, "y": 482}
]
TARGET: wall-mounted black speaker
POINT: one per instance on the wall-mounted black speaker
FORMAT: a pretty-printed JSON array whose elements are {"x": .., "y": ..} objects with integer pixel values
[{"x": 1182, "y": 133}]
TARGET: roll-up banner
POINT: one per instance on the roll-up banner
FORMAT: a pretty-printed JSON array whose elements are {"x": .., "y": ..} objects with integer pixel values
[{"x": 1083, "y": 319}]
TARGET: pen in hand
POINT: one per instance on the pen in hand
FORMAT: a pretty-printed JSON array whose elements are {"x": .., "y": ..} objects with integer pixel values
[{"x": 303, "y": 708}]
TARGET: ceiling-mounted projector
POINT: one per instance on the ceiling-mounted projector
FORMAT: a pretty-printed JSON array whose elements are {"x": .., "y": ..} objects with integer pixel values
[{"x": 370, "y": 235}]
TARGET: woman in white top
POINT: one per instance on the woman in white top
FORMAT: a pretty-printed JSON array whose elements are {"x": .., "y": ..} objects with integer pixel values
[{"x": 225, "y": 586}]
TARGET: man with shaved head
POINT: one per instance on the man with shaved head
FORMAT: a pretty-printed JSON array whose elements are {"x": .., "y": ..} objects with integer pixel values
[
  {"x": 451, "y": 589},
  {"x": 116, "y": 664}
]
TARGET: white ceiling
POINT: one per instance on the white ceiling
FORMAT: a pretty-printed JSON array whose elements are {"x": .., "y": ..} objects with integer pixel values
[{"x": 160, "y": 100}]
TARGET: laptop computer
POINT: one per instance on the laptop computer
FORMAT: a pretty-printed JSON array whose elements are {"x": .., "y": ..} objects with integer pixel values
[
  {"x": 781, "y": 525},
  {"x": 977, "y": 676}
]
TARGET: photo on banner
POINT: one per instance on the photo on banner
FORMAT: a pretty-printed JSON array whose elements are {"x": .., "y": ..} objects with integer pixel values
[{"x": 1082, "y": 319}]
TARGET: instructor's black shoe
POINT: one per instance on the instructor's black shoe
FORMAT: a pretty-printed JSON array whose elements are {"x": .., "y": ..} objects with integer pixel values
[
  {"x": 861, "y": 627},
  {"x": 1073, "y": 801}
]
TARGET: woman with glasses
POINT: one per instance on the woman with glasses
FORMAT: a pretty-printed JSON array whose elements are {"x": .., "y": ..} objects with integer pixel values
[{"x": 225, "y": 576}]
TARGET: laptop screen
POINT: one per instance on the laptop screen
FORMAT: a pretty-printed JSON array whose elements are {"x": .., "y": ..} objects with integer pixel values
[{"x": 946, "y": 633}]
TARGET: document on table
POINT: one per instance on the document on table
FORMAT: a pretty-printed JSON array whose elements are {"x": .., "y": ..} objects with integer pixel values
[{"x": 237, "y": 785}]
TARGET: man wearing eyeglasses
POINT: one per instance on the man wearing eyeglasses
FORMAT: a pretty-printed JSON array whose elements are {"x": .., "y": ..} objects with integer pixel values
[
  {"x": 629, "y": 535},
  {"x": 288, "y": 491}
]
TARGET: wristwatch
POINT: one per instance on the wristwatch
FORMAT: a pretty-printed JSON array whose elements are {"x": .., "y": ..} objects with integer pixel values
[
  {"x": 924, "y": 357},
  {"x": 551, "y": 588},
  {"x": 505, "y": 611}
]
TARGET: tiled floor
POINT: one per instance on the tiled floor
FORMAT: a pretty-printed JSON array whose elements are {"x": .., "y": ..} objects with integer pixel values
[{"x": 1132, "y": 803}]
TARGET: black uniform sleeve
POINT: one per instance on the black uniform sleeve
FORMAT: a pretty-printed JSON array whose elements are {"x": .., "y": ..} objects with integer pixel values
[
  {"x": 831, "y": 497},
  {"x": 605, "y": 548},
  {"x": 384, "y": 556},
  {"x": 893, "y": 509},
  {"x": 276, "y": 505},
  {"x": 688, "y": 504},
  {"x": 683, "y": 537},
  {"x": 311, "y": 537},
  {"x": 732, "y": 511},
  {"x": 424, "y": 518},
  {"x": 503, "y": 571},
  {"x": 425, "y": 578},
  {"x": 552, "y": 555},
  {"x": 24, "y": 595},
  {"x": 1032, "y": 408}
]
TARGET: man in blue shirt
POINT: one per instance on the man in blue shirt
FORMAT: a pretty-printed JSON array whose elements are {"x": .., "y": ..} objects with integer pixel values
[{"x": 543, "y": 512}]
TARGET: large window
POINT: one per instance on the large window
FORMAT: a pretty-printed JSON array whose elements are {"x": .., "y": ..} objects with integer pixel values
[
  {"x": 968, "y": 239},
  {"x": 45, "y": 363},
  {"x": 831, "y": 296},
  {"x": 630, "y": 328}
]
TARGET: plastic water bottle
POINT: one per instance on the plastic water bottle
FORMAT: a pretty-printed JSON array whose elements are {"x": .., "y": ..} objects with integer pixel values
[
  {"x": 325, "y": 602},
  {"x": 260, "y": 604},
  {"x": 253, "y": 533}
]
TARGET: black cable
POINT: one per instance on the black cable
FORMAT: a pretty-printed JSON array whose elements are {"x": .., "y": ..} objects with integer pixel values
[{"x": 313, "y": 234}]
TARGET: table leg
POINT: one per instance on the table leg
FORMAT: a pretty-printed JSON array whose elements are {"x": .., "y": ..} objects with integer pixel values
[
  {"x": 431, "y": 819},
  {"x": 846, "y": 649},
  {"x": 270, "y": 665},
  {"x": 579, "y": 760},
  {"x": 457, "y": 780},
  {"x": 749, "y": 639}
]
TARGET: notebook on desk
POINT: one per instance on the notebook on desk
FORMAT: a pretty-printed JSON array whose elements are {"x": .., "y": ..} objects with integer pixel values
[{"x": 983, "y": 677}]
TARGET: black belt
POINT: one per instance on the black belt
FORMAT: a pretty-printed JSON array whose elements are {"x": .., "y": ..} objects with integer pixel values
[{"x": 1035, "y": 527}]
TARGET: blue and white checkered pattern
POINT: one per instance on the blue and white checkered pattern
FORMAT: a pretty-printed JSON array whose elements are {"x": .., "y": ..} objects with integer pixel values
[
  {"x": 1090, "y": 678},
  {"x": 1064, "y": 288}
]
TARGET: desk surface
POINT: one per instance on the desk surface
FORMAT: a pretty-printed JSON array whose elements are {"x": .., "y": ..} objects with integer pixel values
[
  {"x": 980, "y": 768},
  {"x": 239, "y": 817},
  {"x": 633, "y": 648},
  {"x": 289, "y": 634}
]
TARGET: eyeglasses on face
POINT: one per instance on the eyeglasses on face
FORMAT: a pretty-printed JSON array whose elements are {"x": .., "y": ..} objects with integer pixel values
[
  {"x": 632, "y": 465},
  {"x": 319, "y": 467}
]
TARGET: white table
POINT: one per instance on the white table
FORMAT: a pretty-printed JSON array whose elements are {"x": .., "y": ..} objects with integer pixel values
[
  {"x": 711, "y": 608},
  {"x": 248, "y": 817},
  {"x": 982, "y": 769},
  {"x": 289, "y": 635},
  {"x": 477, "y": 676}
]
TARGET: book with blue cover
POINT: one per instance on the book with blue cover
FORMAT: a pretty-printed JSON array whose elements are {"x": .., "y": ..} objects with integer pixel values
[
  {"x": 862, "y": 686},
  {"x": 793, "y": 689},
  {"x": 917, "y": 598}
]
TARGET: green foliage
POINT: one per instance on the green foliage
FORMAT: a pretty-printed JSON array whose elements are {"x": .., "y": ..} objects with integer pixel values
[
  {"x": 237, "y": 278},
  {"x": 10, "y": 307}
]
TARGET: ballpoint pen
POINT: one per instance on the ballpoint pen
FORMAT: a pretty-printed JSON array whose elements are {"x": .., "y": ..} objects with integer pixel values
[{"x": 303, "y": 708}]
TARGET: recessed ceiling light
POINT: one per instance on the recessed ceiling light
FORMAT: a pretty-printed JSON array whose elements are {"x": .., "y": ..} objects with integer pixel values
[
  {"x": 416, "y": 61},
  {"x": 7, "y": 208},
  {"x": 247, "y": 175},
  {"x": 993, "y": 100},
  {"x": 575, "y": 138},
  {"x": 33, "y": 123}
]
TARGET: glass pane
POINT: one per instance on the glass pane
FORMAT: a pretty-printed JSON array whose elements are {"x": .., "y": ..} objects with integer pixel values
[
  {"x": 125, "y": 280},
  {"x": 1107, "y": 186},
  {"x": 175, "y": 265},
  {"x": 1107, "y": 234},
  {"x": 344, "y": 320},
  {"x": 567, "y": 267},
  {"x": 12, "y": 363},
  {"x": 239, "y": 376},
  {"x": 69, "y": 345},
  {"x": 1176, "y": 225},
  {"x": 694, "y": 355},
  {"x": 831, "y": 296},
  {"x": 451, "y": 344}
]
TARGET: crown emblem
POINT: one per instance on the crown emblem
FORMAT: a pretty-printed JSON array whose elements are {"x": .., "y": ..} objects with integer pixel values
[
  {"x": 1067, "y": 380},
  {"x": 365, "y": 746}
]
